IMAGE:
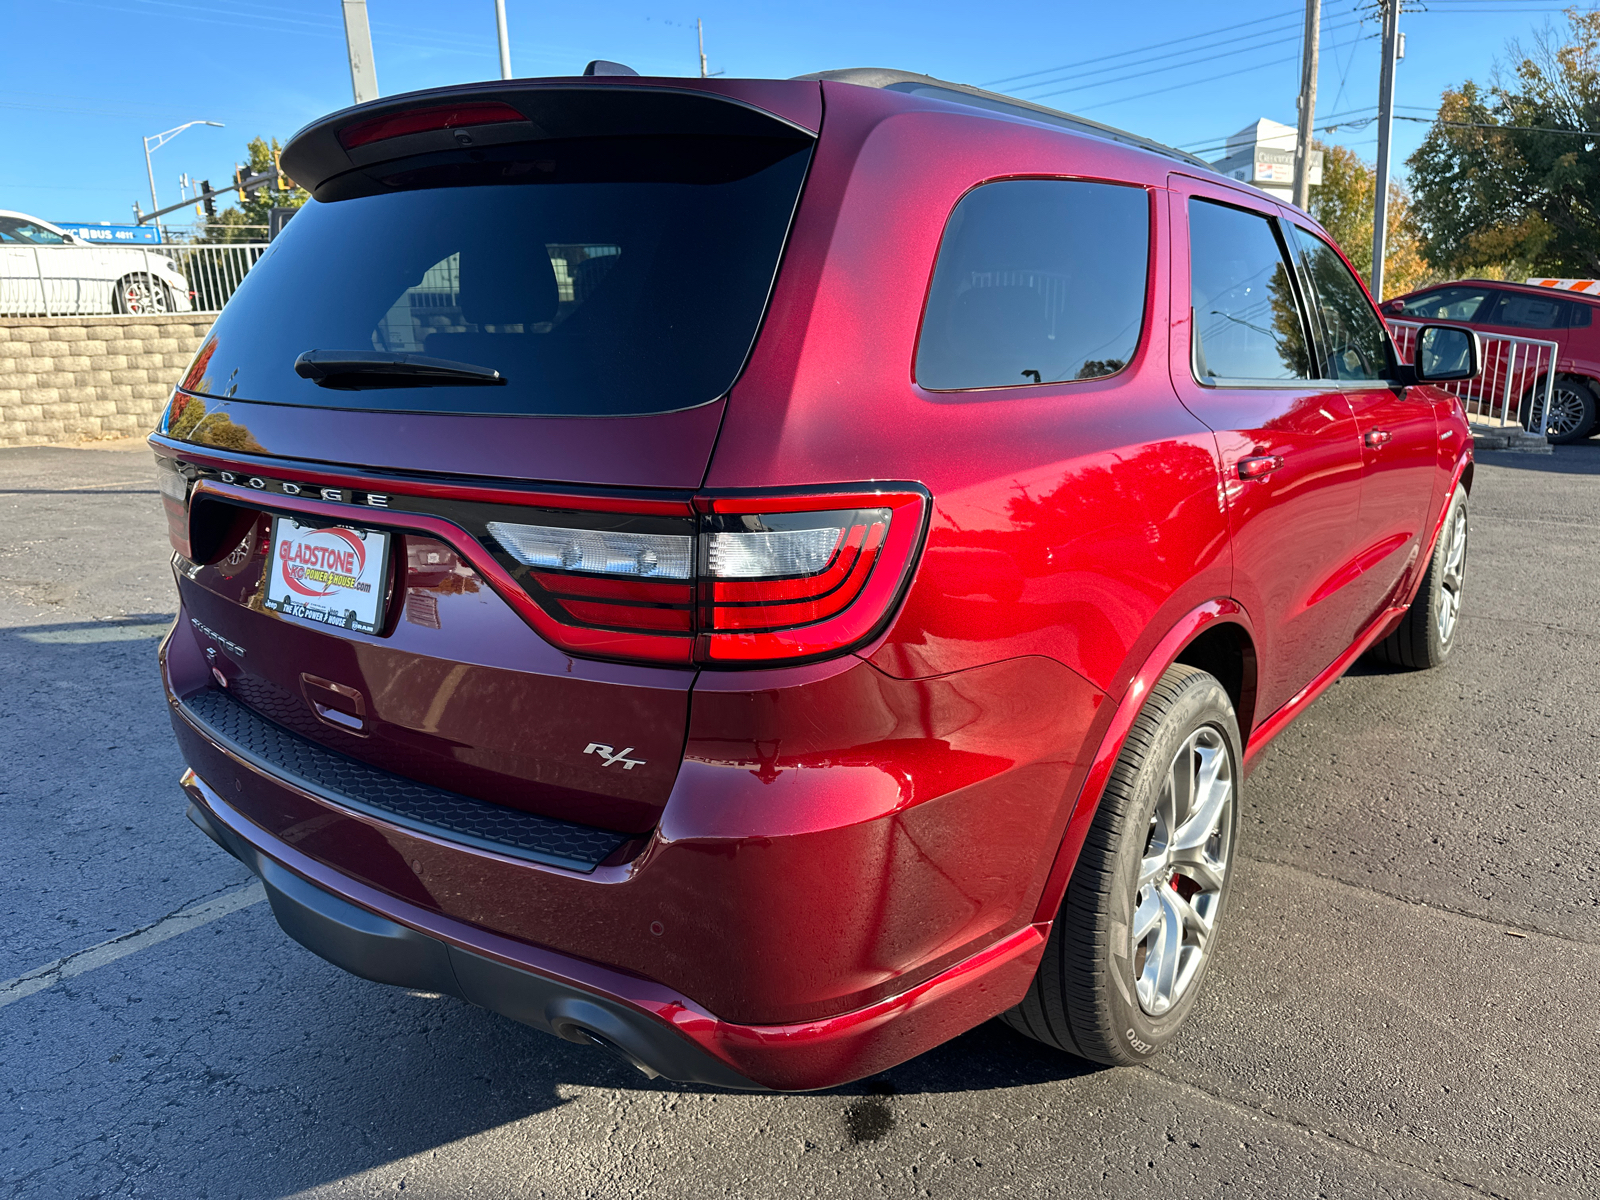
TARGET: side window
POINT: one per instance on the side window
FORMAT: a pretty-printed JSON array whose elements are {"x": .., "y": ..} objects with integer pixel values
[
  {"x": 1038, "y": 281},
  {"x": 1447, "y": 304},
  {"x": 1247, "y": 324},
  {"x": 1356, "y": 346},
  {"x": 1581, "y": 315},
  {"x": 1518, "y": 310}
]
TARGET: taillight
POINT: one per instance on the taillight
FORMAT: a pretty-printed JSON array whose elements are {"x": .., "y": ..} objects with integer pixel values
[
  {"x": 719, "y": 580},
  {"x": 174, "y": 487},
  {"x": 628, "y": 581},
  {"x": 751, "y": 581}
]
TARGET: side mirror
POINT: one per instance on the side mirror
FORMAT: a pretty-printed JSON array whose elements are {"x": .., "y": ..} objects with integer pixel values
[{"x": 1447, "y": 354}]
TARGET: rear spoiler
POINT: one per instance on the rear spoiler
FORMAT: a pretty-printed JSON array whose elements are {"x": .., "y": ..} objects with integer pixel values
[{"x": 516, "y": 111}]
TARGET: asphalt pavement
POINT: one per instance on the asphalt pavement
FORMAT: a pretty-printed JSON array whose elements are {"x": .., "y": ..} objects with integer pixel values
[{"x": 1404, "y": 1003}]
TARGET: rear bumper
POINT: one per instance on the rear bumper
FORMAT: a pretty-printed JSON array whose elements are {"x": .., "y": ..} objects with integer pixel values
[
  {"x": 382, "y": 938},
  {"x": 374, "y": 947}
]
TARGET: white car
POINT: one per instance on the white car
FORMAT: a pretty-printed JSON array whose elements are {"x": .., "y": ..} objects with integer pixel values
[{"x": 45, "y": 271}]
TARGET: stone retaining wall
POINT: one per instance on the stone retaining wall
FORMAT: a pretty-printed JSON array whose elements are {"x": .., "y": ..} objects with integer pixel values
[{"x": 72, "y": 379}]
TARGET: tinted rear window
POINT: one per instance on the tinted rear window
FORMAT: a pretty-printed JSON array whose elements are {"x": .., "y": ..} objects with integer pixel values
[
  {"x": 1247, "y": 322},
  {"x": 601, "y": 277},
  {"x": 1519, "y": 310},
  {"x": 1038, "y": 281}
]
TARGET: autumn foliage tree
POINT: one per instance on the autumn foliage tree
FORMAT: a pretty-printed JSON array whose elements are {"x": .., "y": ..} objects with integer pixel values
[
  {"x": 1508, "y": 179},
  {"x": 1342, "y": 204}
]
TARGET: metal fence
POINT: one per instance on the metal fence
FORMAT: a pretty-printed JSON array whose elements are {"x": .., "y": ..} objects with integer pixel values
[
  {"x": 71, "y": 281},
  {"x": 1515, "y": 385}
]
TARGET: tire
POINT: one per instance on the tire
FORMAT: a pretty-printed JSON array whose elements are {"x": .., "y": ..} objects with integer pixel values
[
  {"x": 1428, "y": 632},
  {"x": 1101, "y": 992},
  {"x": 140, "y": 293},
  {"x": 1574, "y": 411}
]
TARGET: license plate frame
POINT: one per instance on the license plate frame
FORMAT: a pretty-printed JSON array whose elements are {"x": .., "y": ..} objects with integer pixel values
[{"x": 334, "y": 575}]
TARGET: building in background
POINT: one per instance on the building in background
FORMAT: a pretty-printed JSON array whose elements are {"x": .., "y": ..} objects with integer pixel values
[{"x": 1263, "y": 154}]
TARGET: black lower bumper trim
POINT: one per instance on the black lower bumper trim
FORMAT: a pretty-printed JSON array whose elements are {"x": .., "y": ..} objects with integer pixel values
[
  {"x": 379, "y": 949},
  {"x": 248, "y": 735}
]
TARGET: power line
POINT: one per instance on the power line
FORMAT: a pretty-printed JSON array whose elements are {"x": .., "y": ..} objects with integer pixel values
[
  {"x": 1186, "y": 49},
  {"x": 1177, "y": 66},
  {"x": 1082, "y": 108},
  {"x": 1140, "y": 49},
  {"x": 1583, "y": 133}
]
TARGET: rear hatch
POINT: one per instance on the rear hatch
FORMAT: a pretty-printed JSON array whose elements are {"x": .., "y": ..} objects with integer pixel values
[{"x": 494, "y": 348}]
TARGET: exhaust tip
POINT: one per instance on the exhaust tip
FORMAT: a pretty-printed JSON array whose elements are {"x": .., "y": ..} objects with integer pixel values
[{"x": 578, "y": 1033}]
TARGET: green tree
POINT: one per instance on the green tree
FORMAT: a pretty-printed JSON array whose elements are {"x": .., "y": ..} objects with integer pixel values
[
  {"x": 1342, "y": 204},
  {"x": 247, "y": 220},
  {"x": 1508, "y": 179}
]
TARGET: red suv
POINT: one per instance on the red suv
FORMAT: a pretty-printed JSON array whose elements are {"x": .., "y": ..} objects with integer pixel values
[
  {"x": 762, "y": 576},
  {"x": 1569, "y": 319}
]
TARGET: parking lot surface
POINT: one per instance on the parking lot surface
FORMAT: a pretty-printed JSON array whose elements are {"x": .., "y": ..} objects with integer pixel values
[{"x": 1404, "y": 1002}]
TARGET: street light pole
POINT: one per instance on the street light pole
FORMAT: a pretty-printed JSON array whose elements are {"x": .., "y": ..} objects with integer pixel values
[
  {"x": 505, "y": 41},
  {"x": 358, "y": 43},
  {"x": 160, "y": 140}
]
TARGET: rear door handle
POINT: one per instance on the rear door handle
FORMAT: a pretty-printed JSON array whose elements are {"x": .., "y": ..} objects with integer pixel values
[
  {"x": 1259, "y": 466},
  {"x": 1378, "y": 437}
]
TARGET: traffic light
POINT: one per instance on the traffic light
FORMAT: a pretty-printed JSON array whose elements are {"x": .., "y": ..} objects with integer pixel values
[
  {"x": 283, "y": 184},
  {"x": 208, "y": 200}
]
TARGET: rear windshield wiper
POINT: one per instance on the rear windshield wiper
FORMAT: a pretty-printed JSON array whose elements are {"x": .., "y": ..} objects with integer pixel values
[{"x": 356, "y": 369}]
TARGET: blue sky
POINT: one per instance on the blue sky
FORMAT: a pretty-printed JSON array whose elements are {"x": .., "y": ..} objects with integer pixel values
[{"x": 81, "y": 81}]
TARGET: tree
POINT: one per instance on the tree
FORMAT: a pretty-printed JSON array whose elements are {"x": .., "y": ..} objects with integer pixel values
[
  {"x": 1508, "y": 178},
  {"x": 247, "y": 221},
  {"x": 1343, "y": 204}
]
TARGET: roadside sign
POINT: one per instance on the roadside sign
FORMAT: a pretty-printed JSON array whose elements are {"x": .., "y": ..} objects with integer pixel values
[{"x": 121, "y": 235}]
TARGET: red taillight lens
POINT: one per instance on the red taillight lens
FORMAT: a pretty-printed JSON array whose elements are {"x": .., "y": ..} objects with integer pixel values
[
  {"x": 174, "y": 487},
  {"x": 753, "y": 581},
  {"x": 732, "y": 581},
  {"x": 790, "y": 579},
  {"x": 421, "y": 120}
]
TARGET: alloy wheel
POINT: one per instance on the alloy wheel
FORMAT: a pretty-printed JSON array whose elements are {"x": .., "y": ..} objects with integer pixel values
[
  {"x": 141, "y": 296},
  {"x": 1453, "y": 575},
  {"x": 1566, "y": 412},
  {"x": 1181, "y": 873}
]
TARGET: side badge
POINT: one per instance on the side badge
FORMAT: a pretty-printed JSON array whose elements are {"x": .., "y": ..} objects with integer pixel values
[{"x": 609, "y": 756}]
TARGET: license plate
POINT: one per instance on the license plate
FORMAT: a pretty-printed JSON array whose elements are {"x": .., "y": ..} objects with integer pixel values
[{"x": 335, "y": 574}]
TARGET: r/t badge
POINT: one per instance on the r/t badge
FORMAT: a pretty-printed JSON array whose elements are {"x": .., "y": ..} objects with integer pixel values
[{"x": 609, "y": 756}]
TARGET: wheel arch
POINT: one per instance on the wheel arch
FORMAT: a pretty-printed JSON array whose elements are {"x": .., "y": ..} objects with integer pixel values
[{"x": 1218, "y": 633}]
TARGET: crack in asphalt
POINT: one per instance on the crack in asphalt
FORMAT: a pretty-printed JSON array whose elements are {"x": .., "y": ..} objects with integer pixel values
[
  {"x": 200, "y": 911},
  {"x": 1431, "y": 905},
  {"x": 1316, "y": 1131}
]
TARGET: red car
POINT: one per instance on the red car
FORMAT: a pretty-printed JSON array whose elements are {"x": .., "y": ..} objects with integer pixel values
[
  {"x": 763, "y": 576},
  {"x": 1570, "y": 319}
]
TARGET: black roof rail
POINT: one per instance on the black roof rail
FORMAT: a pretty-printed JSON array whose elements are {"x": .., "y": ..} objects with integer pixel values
[{"x": 963, "y": 93}]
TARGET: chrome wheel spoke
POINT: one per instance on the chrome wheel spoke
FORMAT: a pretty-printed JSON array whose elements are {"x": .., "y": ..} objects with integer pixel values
[
  {"x": 1182, "y": 871},
  {"x": 1168, "y": 950},
  {"x": 1451, "y": 577},
  {"x": 1213, "y": 792},
  {"x": 1146, "y": 917},
  {"x": 1181, "y": 784}
]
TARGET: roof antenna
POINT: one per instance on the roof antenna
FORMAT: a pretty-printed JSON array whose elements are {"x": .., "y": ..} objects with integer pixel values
[{"x": 601, "y": 67}]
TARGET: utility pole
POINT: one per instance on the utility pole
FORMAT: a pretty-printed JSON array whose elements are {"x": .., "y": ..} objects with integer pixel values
[
  {"x": 505, "y": 41},
  {"x": 358, "y": 40},
  {"x": 1308, "y": 105},
  {"x": 1380, "y": 199},
  {"x": 700, "y": 31}
]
